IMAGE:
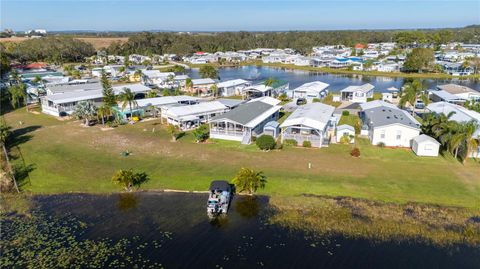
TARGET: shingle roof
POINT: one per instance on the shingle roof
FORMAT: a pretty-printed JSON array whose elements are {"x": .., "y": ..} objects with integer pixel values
[
  {"x": 248, "y": 112},
  {"x": 382, "y": 116}
]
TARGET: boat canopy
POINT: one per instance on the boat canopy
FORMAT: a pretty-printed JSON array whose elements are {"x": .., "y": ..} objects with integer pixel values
[{"x": 222, "y": 185}]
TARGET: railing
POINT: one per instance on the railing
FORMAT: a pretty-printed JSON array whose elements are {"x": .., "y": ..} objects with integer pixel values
[
  {"x": 301, "y": 138},
  {"x": 227, "y": 132}
]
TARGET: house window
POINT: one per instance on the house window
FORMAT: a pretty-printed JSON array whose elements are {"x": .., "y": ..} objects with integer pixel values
[
  {"x": 399, "y": 135},
  {"x": 382, "y": 134}
]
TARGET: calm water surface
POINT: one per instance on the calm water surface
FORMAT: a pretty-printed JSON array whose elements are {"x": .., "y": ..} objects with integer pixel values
[
  {"x": 244, "y": 239},
  {"x": 337, "y": 81}
]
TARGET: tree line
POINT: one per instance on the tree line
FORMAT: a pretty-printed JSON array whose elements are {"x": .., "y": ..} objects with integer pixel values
[
  {"x": 184, "y": 44},
  {"x": 50, "y": 49}
]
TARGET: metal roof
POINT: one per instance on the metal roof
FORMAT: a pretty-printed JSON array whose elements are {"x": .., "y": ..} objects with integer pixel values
[
  {"x": 230, "y": 102},
  {"x": 232, "y": 83},
  {"x": 165, "y": 100},
  {"x": 313, "y": 115},
  {"x": 363, "y": 88},
  {"x": 456, "y": 89},
  {"x": 315, "y": 86},
  {"x": 85, "y": 95},
  {"x": 57, "y": 89},
  {"x": 202, "y": 81},
  {"x": 204, "y": 107},
  {"x": 249, "y": 114},
  {"x": 425, "y": 138},
  {"x": 382, "y": 116},
  {"x": 345, "y": 127}
]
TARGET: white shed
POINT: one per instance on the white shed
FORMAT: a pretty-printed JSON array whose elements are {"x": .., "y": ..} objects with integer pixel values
[
  {"x": 424, "y": 145},
  {"x": 345, "y": 130}
]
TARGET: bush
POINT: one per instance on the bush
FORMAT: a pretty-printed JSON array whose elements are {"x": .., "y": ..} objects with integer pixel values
[
  {"x": 355, "y": 152},
  {"x": 307, "y": 144},
  {"x": 265, "y": 142},
  {"x": 381, "y": 144},
  {"x": 316, "y": 100},
  {"x": 345, "y": 113},
  {"x": 345, "y": 139},
  {"x": 290, "y": 142},
  {"x": 201, "y": 133}
]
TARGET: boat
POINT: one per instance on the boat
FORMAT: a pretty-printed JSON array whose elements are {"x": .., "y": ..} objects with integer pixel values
[{"x": 219, "y": 197}]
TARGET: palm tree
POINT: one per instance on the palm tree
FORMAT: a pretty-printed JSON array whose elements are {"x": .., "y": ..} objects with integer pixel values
[
  {"x": 129, "y": 179},
  {"x": 85, "y": 110},
  {"x": 214, "y": 90},
  {"x": 411, "y": 92},
  {"x": 128, "y": 98},
  {"x": 18, "y": 95},
  {"x": 103, "y": 111},
  {"x": 471, "y": 143},
  {"x": 4, "y": 135},
  {"x": 248, "y": 180},
  {"x": 188, "y": 83},
  {"x": 270, "y": 81},
  {"x": 173, "y": 131}
]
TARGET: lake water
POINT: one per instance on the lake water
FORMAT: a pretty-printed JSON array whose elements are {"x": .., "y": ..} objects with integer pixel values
[
  {"x": 243, "y": 239},
  {"x": 337, "y": 81}
]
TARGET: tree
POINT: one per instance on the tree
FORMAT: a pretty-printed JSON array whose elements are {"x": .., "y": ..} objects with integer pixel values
[
  {"x": 201, "y": 133},
  {"x": 411, "y": 92},
  {"x": 127, "y": 97},
  {"x": 269, "y": 82},
  {"x": 419, "y": 59},
  {"x": 208, "y": 71},
  {"x": 471, "y": 142},
  {"x": 265, "y": 142},
  {"x": 37, "y": 79},
  {"x": 188, "y": 83},
  {"x": 248, "y": 180},
  {"x": 152, "y": 94},
  {"x": 4, "y": 135},
  {"x": 173, "y": 130},
  {"x": 129, "y": 179},
  {"x": 103, "y": 111},
  {"x": 214, "y": 90},
  {"x": 107, "y": 91},
  {"x": 18, "y": 95},
  {"x": 85, "y": 110}
]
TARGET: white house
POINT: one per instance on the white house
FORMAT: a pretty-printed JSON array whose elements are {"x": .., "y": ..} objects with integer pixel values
[
  {"x": 256, "y": 91},
  {"x": 232, "y": 87},
  {"x": 310, "y": 90},
  {"x": 357, "y": 94},
  {"x": 62, "y": 104},
  {"x": 191, "y": 116},
  {"x": 460, "y": 91},
  {"x": 345, "y": 130},
  {"x": 245, "y": 121},
  {"x": 309, "y": 122},
  {"x": 157, "y": 78},
  {"x": 390, "y": 126},
  {"x": 424, "y": 145}
]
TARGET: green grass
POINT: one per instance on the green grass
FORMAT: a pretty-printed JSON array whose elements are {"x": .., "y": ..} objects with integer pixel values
[
  {"x": 67, "y": 157},
  {"x": 350, "y": 120}
]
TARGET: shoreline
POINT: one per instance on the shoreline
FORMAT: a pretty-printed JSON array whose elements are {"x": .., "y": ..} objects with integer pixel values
[{"x": 344, "y": 71}]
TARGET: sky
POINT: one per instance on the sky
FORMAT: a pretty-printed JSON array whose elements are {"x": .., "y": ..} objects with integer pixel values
[{"x": 231, "y": 15}]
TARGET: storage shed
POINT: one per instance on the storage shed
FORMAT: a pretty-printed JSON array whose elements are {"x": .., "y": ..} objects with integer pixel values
[
  {"x": 424, "y": 145},
  {"x": 272, "y": 128}
]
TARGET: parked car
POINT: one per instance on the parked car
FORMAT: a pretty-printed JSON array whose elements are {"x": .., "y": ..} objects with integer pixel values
[{"x": 301, "y": 101}]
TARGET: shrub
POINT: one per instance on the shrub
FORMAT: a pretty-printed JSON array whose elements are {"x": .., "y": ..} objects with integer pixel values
[
  {"x": 355, "y": 152},
  {"x": 290, "y": 142},
  {"x": 345, "y": 139},
  {"x": 316, "y": 100},
  {"x": 381, "y": 144},
  {"x": 265, "y": 142},
  {"x": 345, "y": 113},
  {"x": 201, "y": 133},
  {"x": 307, "y": 144}
]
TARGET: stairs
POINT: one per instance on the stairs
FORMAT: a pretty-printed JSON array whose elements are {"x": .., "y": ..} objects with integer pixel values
[{"x": 246, "y": 139}]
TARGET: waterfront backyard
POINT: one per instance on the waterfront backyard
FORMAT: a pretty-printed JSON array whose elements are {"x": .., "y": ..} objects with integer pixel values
[{"x": 64, "y": 156}]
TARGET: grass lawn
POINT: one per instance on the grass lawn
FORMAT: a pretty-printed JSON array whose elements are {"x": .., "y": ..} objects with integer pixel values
[
  {"x": 67, "y": 157},
  {"x": 350, "y": 120}
]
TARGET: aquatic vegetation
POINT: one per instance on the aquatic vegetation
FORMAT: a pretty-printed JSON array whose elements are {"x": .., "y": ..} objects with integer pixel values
[
  {"x": 41, "y": 241},
  {"x": 357, "y": 218}
]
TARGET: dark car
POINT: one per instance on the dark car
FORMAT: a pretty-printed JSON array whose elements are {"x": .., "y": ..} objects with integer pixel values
[{"x": 301, "y": 101}]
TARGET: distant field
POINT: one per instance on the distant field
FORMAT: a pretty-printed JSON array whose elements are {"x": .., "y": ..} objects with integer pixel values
[
  {"x": 103, "y": 42},
  {"x": 97, "y": 42}
]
